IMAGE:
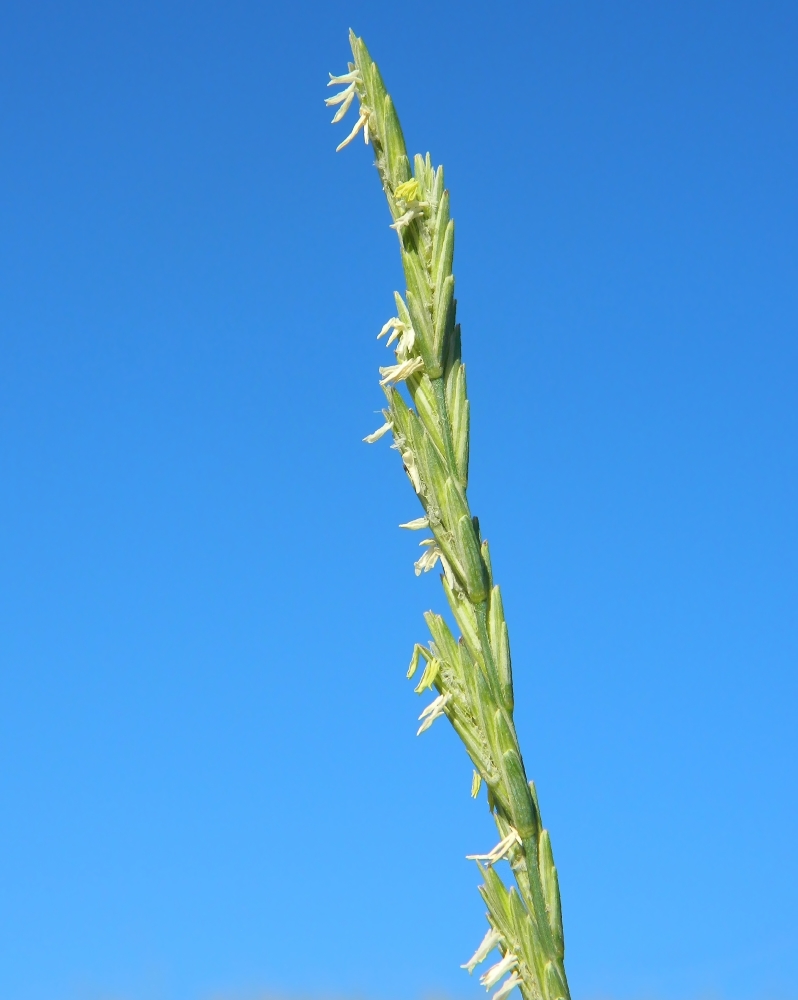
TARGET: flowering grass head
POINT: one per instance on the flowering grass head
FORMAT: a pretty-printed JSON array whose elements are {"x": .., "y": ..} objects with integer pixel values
[{"x": 427, "y": 414}]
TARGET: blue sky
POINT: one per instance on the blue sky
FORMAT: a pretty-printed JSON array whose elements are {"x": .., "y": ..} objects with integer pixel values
[{"x": 210, "y": 781}]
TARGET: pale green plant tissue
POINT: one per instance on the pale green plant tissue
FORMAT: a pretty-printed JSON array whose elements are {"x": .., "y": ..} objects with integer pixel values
[{"x": 472, "y": 675}]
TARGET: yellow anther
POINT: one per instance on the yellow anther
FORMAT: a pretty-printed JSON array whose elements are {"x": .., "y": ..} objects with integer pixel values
[
  {"x": 476, "y": 782},
  {"x": 407, "y": 191}
]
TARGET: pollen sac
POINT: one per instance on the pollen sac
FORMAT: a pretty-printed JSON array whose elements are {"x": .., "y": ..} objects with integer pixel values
[
  {"x": 418, "y": 650},
  {"x": 429, "y": 676},
  {"x": 407, "y": 190}
]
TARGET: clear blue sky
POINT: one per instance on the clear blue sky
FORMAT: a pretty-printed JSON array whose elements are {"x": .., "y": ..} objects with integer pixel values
[{"x": 209, "y": 778}]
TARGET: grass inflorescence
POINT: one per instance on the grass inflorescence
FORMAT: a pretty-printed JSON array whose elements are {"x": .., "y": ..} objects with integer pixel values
[{"x": 470, "y": 675}]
